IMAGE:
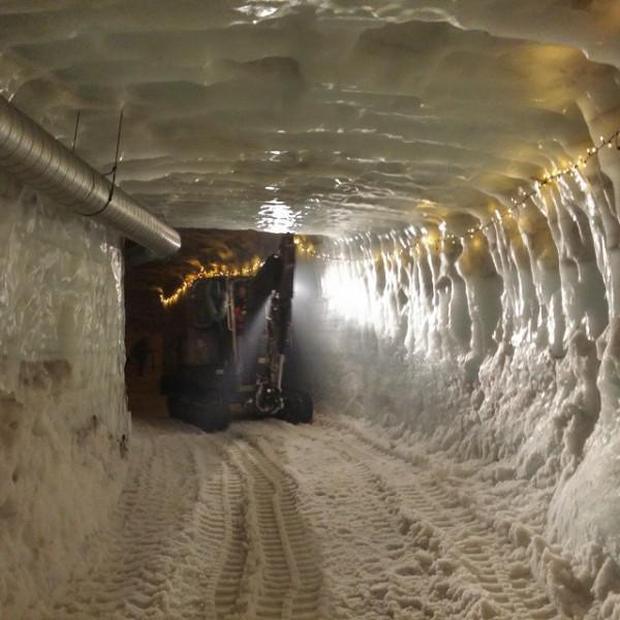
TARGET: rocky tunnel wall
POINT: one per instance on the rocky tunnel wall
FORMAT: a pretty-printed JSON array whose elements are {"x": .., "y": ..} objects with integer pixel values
[
  {"x": 501, "y": 345},
  {"x": 62, "y": 398}
]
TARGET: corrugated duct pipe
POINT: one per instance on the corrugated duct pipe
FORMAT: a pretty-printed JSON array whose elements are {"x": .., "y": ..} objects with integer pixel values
[{"x": 40, "y": 161}]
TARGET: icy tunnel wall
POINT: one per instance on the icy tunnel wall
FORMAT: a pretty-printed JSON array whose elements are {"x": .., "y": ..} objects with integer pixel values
[
  {"x": 62, "y": 395},
  {"x": 503, "y": 345}
]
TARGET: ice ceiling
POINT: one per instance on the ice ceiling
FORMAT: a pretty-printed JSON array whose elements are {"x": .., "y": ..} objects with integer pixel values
[{"x": 325, "y": 116}]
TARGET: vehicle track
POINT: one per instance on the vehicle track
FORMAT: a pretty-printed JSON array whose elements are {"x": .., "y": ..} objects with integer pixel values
[
  {"x": 440, "y": 547},
  {"x": 277, "y": 522},
  {"x": 467, "y": 544},
  {"x": 225, "y": 532},
  {"x": 286, "y": 579},
  {"x": 206, "y": 528},
  {"x": 152, "y": 553}
]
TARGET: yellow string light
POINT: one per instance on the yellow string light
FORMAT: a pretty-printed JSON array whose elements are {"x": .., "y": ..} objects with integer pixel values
[
  {"x": 516, "y": 201},
  {"x": 214, "y": 270},
  {"x": 303, "y": 247}
]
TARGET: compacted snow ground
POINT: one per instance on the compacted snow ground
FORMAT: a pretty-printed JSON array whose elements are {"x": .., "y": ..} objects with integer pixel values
[{"x": 326, "y": 521}]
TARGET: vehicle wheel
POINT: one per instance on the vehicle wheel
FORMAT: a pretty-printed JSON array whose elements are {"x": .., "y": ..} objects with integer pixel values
[
  {"x": 298, "y": 407},
  {"x": 209, "y": 416}
]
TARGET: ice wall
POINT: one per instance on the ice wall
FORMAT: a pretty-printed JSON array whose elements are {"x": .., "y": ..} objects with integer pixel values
[
  {"x": 62, "y": 397},
  {"x": 502, "y": 345}
]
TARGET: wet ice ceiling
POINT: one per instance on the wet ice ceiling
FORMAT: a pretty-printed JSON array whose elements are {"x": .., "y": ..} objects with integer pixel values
[{"x": 319, "y": 116}]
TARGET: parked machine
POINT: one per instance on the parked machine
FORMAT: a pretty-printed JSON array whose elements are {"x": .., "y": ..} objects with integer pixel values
[{"x": 227, "y": 343}]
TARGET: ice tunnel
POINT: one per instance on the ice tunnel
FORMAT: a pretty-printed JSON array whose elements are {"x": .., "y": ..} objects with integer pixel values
[{"x": 310, "y": 310}]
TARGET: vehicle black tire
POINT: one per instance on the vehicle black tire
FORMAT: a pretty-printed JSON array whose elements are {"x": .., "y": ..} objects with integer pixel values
[
  {"x": 210, "y": 416},
  {"x": 298, "y": 407}
]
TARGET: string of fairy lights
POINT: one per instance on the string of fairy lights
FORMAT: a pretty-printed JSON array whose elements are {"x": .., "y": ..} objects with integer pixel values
[
  {"x": 213, "y": 270},
  {"x": 305, "y": 247},
  {"x": 518, "y": 201},
  {"x": 547, "y": 179}
]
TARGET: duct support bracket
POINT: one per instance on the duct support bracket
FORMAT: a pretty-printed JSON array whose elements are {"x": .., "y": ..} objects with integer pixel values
[{"x": 39, "y": 160}]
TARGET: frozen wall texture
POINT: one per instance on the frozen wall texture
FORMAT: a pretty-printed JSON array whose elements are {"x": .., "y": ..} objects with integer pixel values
[
  {"x": 322, "y": 116},
  {"x": 502, "y": 346},
  {"x": 62, "y": 396}
]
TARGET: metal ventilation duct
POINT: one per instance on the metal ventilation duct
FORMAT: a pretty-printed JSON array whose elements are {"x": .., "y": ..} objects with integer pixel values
[{"x": 37, "y": 159}]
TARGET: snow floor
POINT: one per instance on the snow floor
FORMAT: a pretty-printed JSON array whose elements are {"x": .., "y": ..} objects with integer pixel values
[{"x": 333, "y": 520}]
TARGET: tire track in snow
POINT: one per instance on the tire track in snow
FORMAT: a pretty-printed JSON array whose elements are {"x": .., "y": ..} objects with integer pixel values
[
  {"x": 353, "y": 525},
  {"x": 465, "y": 540},
  {"x": 283, "y": 576},
  {"x": 439, "y": 549},
  {"x": 207, "y": 527},
  {"x": 468, "y": 538},
  {"x": 158, "y": 545},
  {"x": 469, "y": 547},
  {"x": 272, "y": 521},
  {"x": 223, "y": 590}
]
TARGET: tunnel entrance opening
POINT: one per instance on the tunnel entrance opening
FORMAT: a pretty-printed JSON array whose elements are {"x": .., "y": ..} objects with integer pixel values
[{"x": 208, "y": 341}]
